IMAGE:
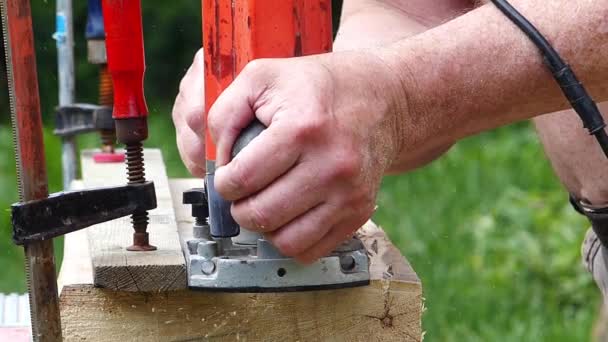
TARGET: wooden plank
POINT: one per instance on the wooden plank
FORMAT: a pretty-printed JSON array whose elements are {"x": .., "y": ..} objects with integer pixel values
[
  {"x": 387, "y": 310},
  {"x": 76, "y": 266},
  {"x": 113, "y": 266}
]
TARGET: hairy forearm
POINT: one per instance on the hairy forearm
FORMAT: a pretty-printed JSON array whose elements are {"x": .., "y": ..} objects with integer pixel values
[
  {"x": 372, "y": 24},
  {"x": 479, "y": 71},
  {"x": 369, "y": 24},
  {"x": 575, "y": 155}
]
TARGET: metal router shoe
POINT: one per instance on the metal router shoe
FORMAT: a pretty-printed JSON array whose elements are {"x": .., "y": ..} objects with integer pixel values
[{"x": 249, "y": 263}]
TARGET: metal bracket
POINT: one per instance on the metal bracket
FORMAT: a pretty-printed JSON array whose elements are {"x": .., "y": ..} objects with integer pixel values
[
  {"x": 65, "y": 212},
  {"x": 252, "y": 264},
  {"x": 82, "y": 118},
  {"x": 215, "y": 265}
]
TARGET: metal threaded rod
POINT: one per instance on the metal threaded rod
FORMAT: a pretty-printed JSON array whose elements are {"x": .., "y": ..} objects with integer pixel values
[
  {"x": 134, "y": 157},
  {"x": 106, "y": 92},
  {"x": 108, "y": 137},
  {"x": 135, "y": 163}
]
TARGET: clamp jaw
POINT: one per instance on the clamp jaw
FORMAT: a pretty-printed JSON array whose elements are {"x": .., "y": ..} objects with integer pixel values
[
  {"x": 66, "y": 212},
  {"x": 79, "y": 118}
]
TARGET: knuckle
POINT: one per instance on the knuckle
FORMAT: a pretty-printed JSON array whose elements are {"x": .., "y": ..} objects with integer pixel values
[
  {"x": 258, "y": 217},
  {"x": 346, "y": 165},
  {"x": 309, "y": 128},
  {"x": 233, "y": 180},
  {"x": 241, "y": 179},
  {"x": 195, "y": 153},
  {"x": 195, "y": 169},
  {"x": 214, "y": 122},
  {"x": 255, "y": 66},
  {"x": 195, "y": 120}
]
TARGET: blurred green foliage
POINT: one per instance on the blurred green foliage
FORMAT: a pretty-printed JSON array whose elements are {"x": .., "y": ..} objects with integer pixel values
[
  {"x": 491, "y": 234},
  {"x": 487, "y": 228}
]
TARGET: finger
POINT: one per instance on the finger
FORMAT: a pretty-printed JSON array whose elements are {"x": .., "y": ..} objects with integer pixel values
[
  {"x": 189, "y": 107},
  {"x": 192, "y": 85},
  {"x": 194, "y": 72},
  {"x": 188, "y": 117},
  {"x": 189, "y": 113},
  {"x": 288, "y": 197},
  {"x": 337, "y": 234},
  {"x": 265, "y": 159},
  {"x": 191, "y": 91},
  {"x": 192, "y": 151},
  {"x": 305, "y": 231},
  {"x": 236, "y": 107}
]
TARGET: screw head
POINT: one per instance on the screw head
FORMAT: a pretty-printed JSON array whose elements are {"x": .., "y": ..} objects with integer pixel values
[
  {"x": 194, "y": 196},
  {"x": 208, "y": 267},
  {"x": 198, "y": 198},
  {"x": 347, "y": 262}
]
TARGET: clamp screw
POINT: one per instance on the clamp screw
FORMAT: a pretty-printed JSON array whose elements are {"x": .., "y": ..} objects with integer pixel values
[{"x": 200, "y": 207}]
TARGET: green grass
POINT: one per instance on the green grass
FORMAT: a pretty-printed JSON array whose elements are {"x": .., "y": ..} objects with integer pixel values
[
  {"x": 487, "y": 228},
  {"x": 490, "y": 233}
]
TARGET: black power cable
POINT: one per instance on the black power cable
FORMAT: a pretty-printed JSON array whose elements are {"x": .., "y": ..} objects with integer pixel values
[{"x": 574, "y": 90}]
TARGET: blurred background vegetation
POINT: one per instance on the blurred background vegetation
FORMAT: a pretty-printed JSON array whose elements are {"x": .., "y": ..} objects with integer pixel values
[{"x": 487, "y": 227}]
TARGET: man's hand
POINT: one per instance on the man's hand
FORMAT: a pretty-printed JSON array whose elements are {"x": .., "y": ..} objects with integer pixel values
[
  {"x": 385, "y": 22},
  {"x": 188, "y": 117},
  {"x": 310, "y": 179}
]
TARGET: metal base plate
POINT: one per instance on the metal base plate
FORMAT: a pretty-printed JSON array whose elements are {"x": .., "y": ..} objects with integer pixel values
[{"x": 220, "y": 265}]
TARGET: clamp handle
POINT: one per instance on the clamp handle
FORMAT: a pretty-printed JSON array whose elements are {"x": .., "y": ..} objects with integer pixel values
[
  {"x": 66, "y": 212},
  {"x": 126, "y": 60},
  {"x": 94, "y": 27}
]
